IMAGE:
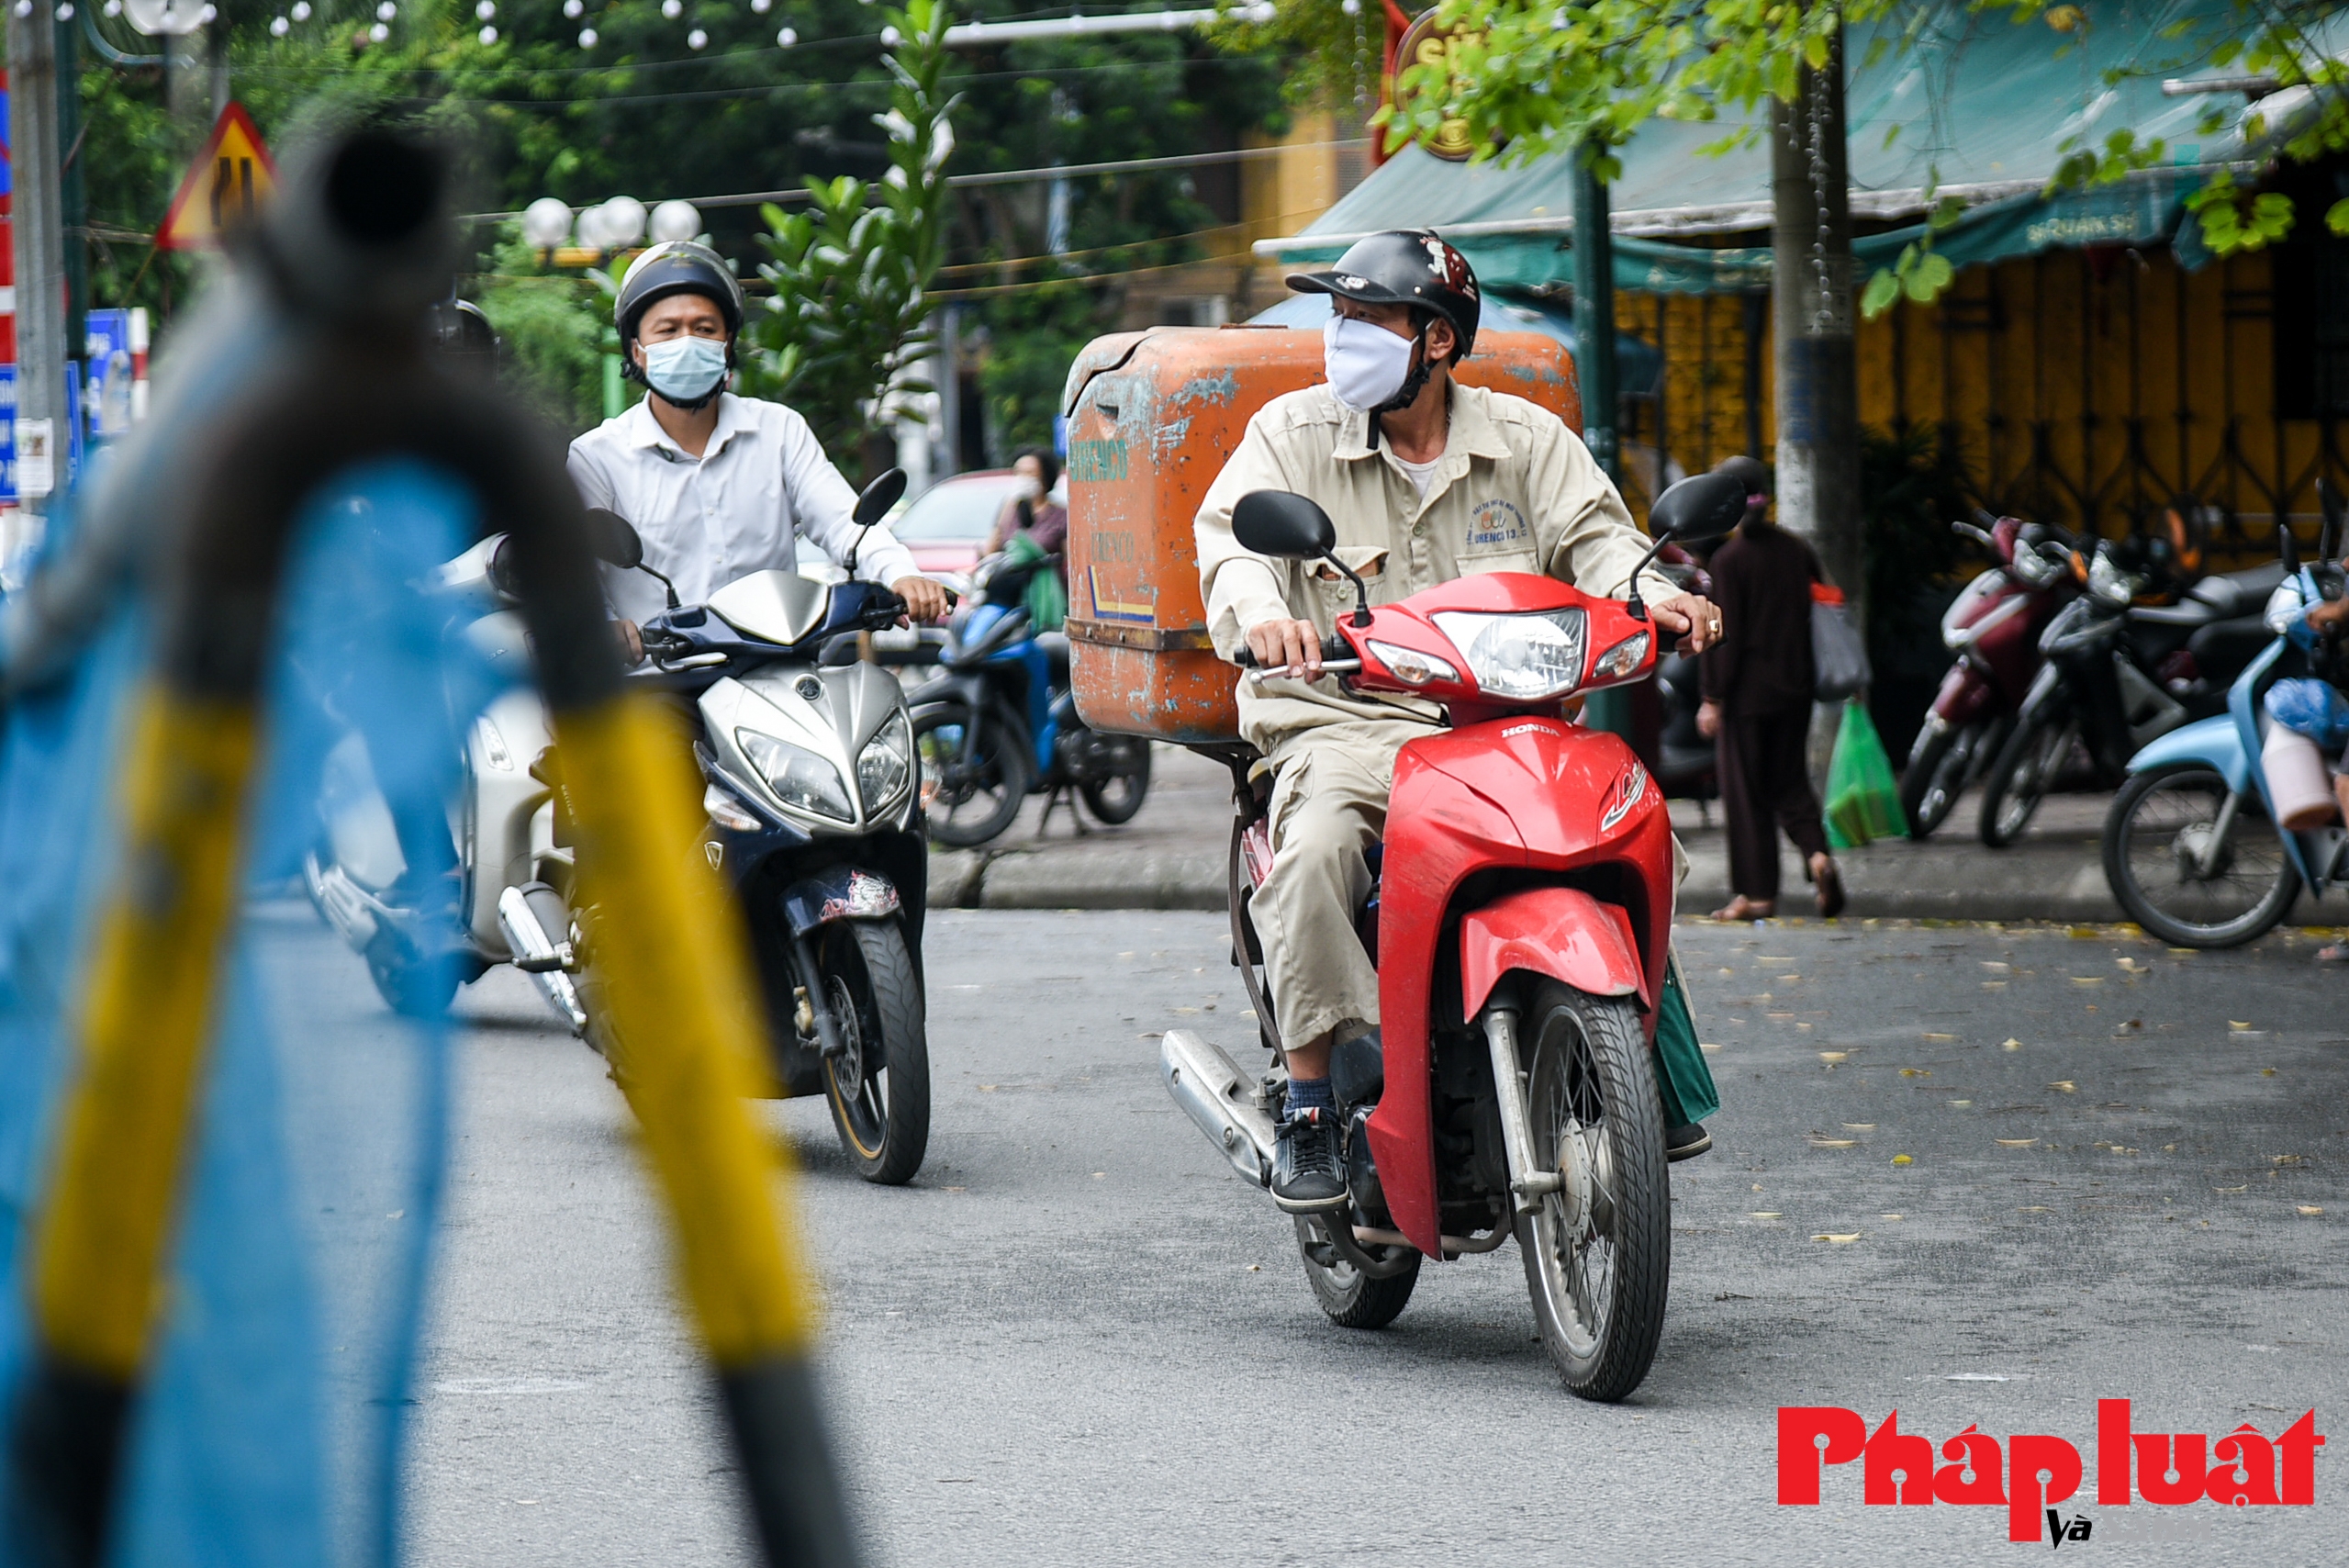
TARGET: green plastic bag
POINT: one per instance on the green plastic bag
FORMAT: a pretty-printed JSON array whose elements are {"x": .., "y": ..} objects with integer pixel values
[
  {"x": 1047, "y": 597},
  {"x": 1862, "y": 795},
  {"x": 1681, "y": 1073}
]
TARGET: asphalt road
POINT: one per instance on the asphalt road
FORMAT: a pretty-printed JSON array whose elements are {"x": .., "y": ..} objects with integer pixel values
[{"x": 1078, "y": 1340}]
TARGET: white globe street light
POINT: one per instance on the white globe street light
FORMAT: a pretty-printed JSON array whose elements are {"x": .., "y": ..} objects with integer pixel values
[
  {"x": 674, "y": 220},
  {"x": 623, "y": 222},
  {"x": 546, "y": 223}
]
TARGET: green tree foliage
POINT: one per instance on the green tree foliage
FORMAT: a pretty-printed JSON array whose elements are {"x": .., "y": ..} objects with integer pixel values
[
  {"x": 554, "y": 329},
  {"x": 850, "y": 312}
]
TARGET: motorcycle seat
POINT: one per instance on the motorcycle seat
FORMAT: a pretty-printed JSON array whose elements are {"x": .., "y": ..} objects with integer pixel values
[
  {"x": 1056, "y": 653},
  {"x": 2230, "y": 594}
]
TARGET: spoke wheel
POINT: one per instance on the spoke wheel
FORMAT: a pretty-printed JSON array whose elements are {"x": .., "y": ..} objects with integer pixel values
[
  {"x": 1350, "y": 1298},
  {"x": 1598, "y": 1252},
  {"x": 974, "y": 775},
  {"x": 1115, "y": 799},
  {"x": 2027, "y": 766},
  {"x": 2172, "y": 879},
  {"x": 878, "y": 1087}
]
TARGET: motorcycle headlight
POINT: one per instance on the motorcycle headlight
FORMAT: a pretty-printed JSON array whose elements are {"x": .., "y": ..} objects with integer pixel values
[
  {"x": 885, "y": 767},
  {"x": 2034, "y": 569},
  {"x": 1410, "y": 666},
  {"x": 1521, "y": 657},
  {"x": 799, "y": 779},
  {"x": 2110, "y": 583}
]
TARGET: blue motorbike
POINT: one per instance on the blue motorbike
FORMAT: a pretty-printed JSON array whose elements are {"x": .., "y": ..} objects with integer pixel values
[
  {"x": 2193, "y": 848},
  {"x": 999, "y": 722}
]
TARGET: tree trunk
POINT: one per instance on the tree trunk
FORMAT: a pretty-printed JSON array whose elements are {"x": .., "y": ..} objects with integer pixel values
[
  {"x": 1595, "y": 320},
  {"x": 1817, "y": 384}
]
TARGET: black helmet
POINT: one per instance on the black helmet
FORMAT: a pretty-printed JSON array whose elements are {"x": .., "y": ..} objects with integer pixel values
[
  {"x": 458, "y": 327},
  {"x": 1404, "y": 266},
  {"x": 677, "y": 266}
]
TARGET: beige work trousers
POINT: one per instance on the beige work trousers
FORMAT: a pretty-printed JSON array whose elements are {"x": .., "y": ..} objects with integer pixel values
[{"x": 1328, "y": 807}]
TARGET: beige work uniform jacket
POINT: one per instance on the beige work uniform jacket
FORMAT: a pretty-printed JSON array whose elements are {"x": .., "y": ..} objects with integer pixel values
[{"x": 1515, "y": 491}]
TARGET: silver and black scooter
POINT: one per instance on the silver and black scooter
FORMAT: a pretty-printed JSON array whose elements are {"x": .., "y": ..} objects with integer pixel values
[{"x": 812, "y": 787}]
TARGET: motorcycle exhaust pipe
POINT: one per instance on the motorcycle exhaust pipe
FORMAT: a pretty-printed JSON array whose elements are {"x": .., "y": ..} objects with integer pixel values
[
  {"x": 1215, "y": 1094},
  {"x": 523, "y": 915}
]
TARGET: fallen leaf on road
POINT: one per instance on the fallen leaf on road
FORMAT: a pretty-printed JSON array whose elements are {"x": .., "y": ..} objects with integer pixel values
[
  {"x": 1256, "y": 1267},
  {"x": 1186, "y": 1009},
  {"x": 1960, "y": 1104},
  {"x": 1995, "y": 964},
  {"x": 2311, "y": 1209},
  {"x": 1834, "y": 1142},
  {"x": 2233, "y": 1024},
  {"x": 1778, "y": 1015},
  {"x": 1838, "y": 1240},
  {"x": 987, "y": 1089},
  {"x": 1916, "y": 1072},
  {"x": 1727, "y": 974},
  {"x": 1994, "y": 985},
  {"x": 2132, "y": 966},
  {"x": 2242, "y": 1189},
  {"x": 2012, "y": 1045},
  {"x": 2286, "y": 1160},
  {"x": 2034, "y": 1209},
  {"x": 2266, "y": 1072},
  {"x": 1940, "y": 1036},
  {"x": 2016, "y": 1142},
  {"x": 2066, "y": 1087},
  {"x": 1766, "y": 1214},
  {"x": 1891, "y": 1217},
  {"x": 1902, "y": 1159},
  {"x": 1707, "y": 1045},
  {"x": 2088, "y": 980},
  {"x": 1859, "y": 1127},
  {"x": 1835, "y": 1056}
]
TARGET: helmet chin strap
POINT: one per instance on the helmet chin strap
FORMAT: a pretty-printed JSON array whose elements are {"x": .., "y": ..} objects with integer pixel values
[{"x": 1408, "y": 393}]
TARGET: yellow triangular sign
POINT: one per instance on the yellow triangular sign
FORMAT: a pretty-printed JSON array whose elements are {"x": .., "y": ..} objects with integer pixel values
[{"x": 228, "y": 179}]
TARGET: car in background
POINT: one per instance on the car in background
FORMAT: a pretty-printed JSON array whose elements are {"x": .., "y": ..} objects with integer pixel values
[{"x": 946, "y": 525}]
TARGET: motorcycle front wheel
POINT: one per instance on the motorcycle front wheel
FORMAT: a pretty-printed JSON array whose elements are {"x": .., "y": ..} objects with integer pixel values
[
  {"x": 2172, "y": 880},
  {"x": 1115, "y": 798},
  {"x": 974, "y": 775},
  {"x": 1598, "y": 1250},
  {"x": 1937, "y": 772},
  {"x": 878, "y": 1087},
  {"x": 2026, "y": 769},
  {"x": 1349, "y": 1297}
]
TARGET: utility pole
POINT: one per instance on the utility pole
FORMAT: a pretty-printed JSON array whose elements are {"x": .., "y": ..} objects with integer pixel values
[
  {"x": 1594, "y": 316},
  {"x": 1818, "y": 382},
  {"x": 39, "y": 241},
  {"x": 74, "y": 205}
]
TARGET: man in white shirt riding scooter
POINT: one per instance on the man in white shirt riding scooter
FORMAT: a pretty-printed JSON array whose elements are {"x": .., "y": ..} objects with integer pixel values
[{"x": 718, "y": 486}]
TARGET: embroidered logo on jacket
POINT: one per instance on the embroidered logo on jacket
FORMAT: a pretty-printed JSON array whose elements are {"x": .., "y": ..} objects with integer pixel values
[{"x": 1497, "y": 524}]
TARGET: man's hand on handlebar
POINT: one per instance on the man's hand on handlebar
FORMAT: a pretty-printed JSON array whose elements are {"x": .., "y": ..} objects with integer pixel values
[
  {"x": 924, "y": 600},
  {"x": 1694, "y": 616},
  {"x": 631, "y": 642},
  {"x": 1293, "y": 647}
]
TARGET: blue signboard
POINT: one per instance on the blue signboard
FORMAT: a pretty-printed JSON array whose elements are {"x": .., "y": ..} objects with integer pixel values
[{"x": 108, "y": 369}]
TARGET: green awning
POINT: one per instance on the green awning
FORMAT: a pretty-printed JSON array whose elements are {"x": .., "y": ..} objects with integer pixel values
[{"x": 1981, "y": 113}]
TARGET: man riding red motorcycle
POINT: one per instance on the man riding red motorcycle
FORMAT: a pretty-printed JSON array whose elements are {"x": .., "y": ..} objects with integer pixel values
[{"x": 1425, "y": 481}]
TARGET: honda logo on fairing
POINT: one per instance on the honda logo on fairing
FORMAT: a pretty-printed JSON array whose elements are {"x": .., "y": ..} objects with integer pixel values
[{"x": 1627, "y": 792}]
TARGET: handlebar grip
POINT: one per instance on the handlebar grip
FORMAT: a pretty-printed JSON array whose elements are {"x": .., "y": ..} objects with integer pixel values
[{"x": 1245, "y": 658}]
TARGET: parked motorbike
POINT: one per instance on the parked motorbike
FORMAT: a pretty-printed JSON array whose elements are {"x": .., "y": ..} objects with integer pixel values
[
  {"x": 999, "y": 724},
  {"x": 421, "y": 936},
  {"x": 1522, "y": 944},
  {"x": 2193, "y": 850},
  {"x": 2120, "y": 672},
  {"x": 1994, "y": 628},
  {"x": 812, "y": 783},
  {"x": 1685, "y": 756}
]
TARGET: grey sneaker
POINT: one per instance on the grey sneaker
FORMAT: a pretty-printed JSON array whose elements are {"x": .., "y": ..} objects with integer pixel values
[{"x": 1305, "y": 1178}]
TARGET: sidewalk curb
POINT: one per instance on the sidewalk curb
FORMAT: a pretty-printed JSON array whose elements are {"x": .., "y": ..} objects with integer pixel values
[{"x": 1018, "y": 879}]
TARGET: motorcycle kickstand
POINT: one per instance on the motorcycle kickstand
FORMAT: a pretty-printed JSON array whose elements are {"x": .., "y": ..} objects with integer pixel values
[{"x": 1061, "y": 795}]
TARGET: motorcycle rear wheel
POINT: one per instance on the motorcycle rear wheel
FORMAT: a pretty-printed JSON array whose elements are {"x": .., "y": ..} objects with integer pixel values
[
  {"x": 1116, "y": 798},
  {"x": 2027, "y": 766},
  {"x": 2148, "y": 845},
  {"x": 1349, "y": 1297},
  {"x": 992, "y": 783},
  {"x": 1598, "y": 1252},
  {"x": 880, "y": 1103},
  {"x": 1937, "y": 772}
]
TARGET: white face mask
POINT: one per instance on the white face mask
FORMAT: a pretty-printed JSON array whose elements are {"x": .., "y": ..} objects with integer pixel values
[
  {"x": 1365, "y": 364},
  {"x": 685, "y": 370}
]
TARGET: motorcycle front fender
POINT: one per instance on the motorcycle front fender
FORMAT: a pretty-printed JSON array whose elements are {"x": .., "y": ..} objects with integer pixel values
[
  {"x": 2215, "y": 743},
  {"x": 837, "y": 893},
  {"x": 1563, "y": 933}
]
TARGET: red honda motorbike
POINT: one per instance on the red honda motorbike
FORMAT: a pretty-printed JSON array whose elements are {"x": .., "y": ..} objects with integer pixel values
[
  {"x": 1521, "y": 923},
  {"x": 1994, "y": 628}
]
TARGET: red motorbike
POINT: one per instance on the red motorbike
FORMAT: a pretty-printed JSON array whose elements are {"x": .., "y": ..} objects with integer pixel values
[
  {"x": 1994, "y": 628},
  {"x": 1521, "y": 923}
]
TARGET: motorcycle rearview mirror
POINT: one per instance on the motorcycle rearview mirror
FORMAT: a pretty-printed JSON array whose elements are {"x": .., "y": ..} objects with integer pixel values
[
  {"x": 1283, "y": 523},
  {"x": 872, "y": 506},
  {"x": 1697, "y": 510},
  {"x": 614, "y": 539}
]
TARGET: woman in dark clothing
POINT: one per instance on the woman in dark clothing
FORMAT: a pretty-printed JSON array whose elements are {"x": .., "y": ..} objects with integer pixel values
[
  {"x": 1032, "y": 510},
  {"x": 1757, "y": 683}
]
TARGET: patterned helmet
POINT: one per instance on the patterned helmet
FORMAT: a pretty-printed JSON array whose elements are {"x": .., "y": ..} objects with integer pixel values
[{"x": 1404, "y": 266}]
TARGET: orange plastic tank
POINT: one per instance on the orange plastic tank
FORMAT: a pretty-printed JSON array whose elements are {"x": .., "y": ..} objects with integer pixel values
[{"x": 1152, "y": 416}]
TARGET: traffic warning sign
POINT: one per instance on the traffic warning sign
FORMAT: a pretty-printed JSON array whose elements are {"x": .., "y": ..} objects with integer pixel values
[{"x": 228, "y": 179}]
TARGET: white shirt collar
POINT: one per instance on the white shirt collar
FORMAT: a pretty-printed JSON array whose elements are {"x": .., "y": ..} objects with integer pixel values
[{"x": 640, "y": 428}]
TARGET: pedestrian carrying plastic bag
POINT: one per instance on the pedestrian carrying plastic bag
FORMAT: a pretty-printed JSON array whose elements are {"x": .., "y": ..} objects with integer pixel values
[
  {"x": 1838, "y": 654},
  {"x": 1862, "y": 796}
]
